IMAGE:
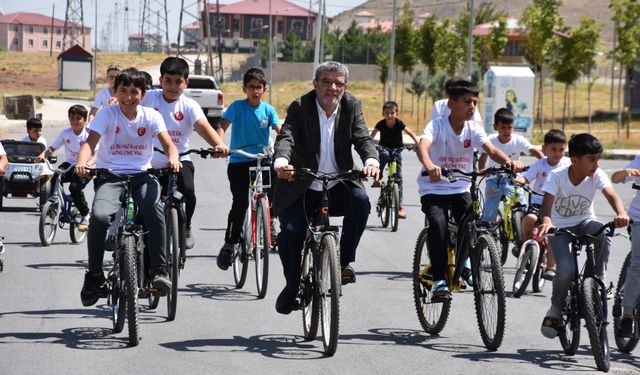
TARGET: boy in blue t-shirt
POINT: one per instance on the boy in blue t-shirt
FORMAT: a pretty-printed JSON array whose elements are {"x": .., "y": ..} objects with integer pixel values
[{"x": 251, "y": 119}]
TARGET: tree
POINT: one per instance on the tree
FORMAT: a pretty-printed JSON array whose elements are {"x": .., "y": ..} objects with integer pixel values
[
  {"x": 626, "y": 15},
  {"x": 418, "y": 87},
  {"x": 405, "y": 56},
  {"x": 483, "y": 14},
  {"x": 587, "y": 42},
  {"x": 564, "y": 67},
  {"x": 449, "y": 51},
  {"x": 487, "y": 48},
  {"x": 540, "y": 20},
  {"x": 292, "y": 47},
  {"x": 426, "y": 43},
  {"x": 383, "y": 63}
]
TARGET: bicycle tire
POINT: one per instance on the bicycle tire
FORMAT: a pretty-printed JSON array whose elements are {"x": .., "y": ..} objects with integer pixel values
[
  {"x": 385, "y": 210},
  {"x": 173, "y": 260},
  {"x": 624, "y": 344},
  {"x": 261, "y": 251},
  {"x": 240, "y": 261},
  {"x": 76, "y": 235},
  {"x": 569, "y": 326},
  {"x": 538, "y": 281},
  {"x": 131, "y": 289},
  {"x": 596, "y": 322},
  {"x": 48, "y": 223},
  {"x": 329, "y": 292},
  {"x": 310, "y": 302},
  {"x": 431, "y": 315},
  {"x": 526, "y": 266},
  {"x": 395, "y": 207},
  {"x": 118, "y": 300},
  {"x": 516, "y": 224},
  {"x": 503, "y": 240},
  {"x": 489, "y": 295}
]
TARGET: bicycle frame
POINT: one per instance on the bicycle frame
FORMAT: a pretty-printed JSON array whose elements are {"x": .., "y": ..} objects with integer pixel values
[
  {"x": 257, "y": 191},
  {"x": 508, "y": 206}
]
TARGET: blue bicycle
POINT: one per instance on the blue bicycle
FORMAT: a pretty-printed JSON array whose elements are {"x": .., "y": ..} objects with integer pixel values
[{"x": 59, "y": 211}]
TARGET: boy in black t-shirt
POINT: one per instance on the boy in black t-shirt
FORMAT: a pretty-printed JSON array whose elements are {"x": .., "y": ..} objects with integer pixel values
[{"x": 390, "y": 130}]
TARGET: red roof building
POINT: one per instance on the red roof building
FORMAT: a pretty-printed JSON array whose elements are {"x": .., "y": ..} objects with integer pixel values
[
  {"x": 33, "y": 32},
  {"x": 514, "y": 50}
]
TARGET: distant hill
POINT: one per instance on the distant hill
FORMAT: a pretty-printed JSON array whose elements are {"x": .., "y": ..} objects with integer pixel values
[{"x": 571, "y": 11}]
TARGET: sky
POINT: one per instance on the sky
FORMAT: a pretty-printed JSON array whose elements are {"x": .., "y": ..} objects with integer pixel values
[{"x": 106, "y": 7}]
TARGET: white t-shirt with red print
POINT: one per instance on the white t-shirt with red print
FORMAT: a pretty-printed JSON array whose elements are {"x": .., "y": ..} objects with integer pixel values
[
  {"x": 104, "y": 99},
  {"x": 450, "y": 150},
  {"x": 538, "y": 172},
  {"x": 72, "y": 143},
  {"x": 126, "y": 145},
  {"x": 179, "y": 117}
]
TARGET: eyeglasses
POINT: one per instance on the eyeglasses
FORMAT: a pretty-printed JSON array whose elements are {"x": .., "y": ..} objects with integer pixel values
[{"x": 339, "y": 84}]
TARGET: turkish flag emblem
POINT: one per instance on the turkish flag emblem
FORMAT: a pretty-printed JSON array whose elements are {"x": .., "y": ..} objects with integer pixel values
[
  {"x": 142, "y": 131},
  {"x": 67, "y": 140},
  {"x": 179, "y": 116},
  {"x": 117, "y": 129},
  {"x": 467, "y": 143}
]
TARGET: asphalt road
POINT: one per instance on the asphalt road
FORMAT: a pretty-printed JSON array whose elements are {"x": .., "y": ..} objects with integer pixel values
[{"x": 220, "y": 329}]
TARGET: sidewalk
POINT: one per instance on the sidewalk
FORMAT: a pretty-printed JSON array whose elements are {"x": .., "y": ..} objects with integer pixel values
[{"x": 54, "y": 115}]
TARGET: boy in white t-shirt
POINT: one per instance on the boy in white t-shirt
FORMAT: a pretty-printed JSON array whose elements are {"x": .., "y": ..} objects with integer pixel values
[
  {"x": 449, "y": 142},
  {"x": 554, "y": 147},
  {"x": 72, "y": 138},
  {"x": 34, "y": 132},
  {"x": 182, "y": 115},
  {"x": 125, "y": 132},
  {"x": 511, "y": 145},
  {"x": 106, "y": 96},
  {"x": 631, "y": 173},
  {"x": 568, "y": 203},
  {"x": 441, "y": 108}
]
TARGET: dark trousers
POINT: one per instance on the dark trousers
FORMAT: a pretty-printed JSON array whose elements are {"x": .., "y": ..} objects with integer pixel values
[
  {"x": 76, "y": 185},
  {"x": 238, "y": 174},
  {"x": 436, "y": 209},
  {"x": 346, "y": 200},
  {"x": 186, "y": 187}
]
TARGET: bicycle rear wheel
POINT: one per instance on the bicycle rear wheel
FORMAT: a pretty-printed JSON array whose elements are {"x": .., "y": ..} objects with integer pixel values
[
  {"x": 76, "y": 235},
  {"x": 569, "y": 327},
  {"x": 48, "y": 223},
  {"x": 395, "y": 207},
  {"x": 118, "y": 297},
  {"x": 240, "y": 260},
  {"x": 525, "y": 267},
  {"x": 624, "y": 344},
  {"x": 385, "y": 210},
  {"x": 432, "y": 315},
  {"x": 131, "y": 289},
  {"x": 502, "y": 240},
  {"x": 261, "y": 250},
  {"x": 173, "y": 259},
  {"x": 594, "y": 297},
  {"x": 538, "y": 281},
  {"x": 329, "y": 291},
  {"x": 489, "y": 296},
  {"x": 310, "y": 301}
]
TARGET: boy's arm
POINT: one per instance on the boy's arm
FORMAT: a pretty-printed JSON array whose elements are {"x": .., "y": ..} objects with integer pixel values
[
  {"x": 545, "y": 213},
  {"x": 621, "y": 219},
  {"x": 535, "y": 152},
  {"x": 92, "y": 114},
  {"x": 170, "y": 150},
  {"x": 499, "y": 157},
  {"x": 423, "y": 154},
  {"x": 45, "y": 154},
  {"x": 621, "y": 175},
  {"x": 214, "y": 140},
  {"x": 223, "y": 125},
  {"x": 482, "y": 162},
  {"x": 374, "y": 132},
  {"x": 408, "y": 131},
  {"x": 85, "y": 154}
]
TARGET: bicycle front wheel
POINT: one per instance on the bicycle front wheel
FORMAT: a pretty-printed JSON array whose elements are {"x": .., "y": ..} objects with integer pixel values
[
  {"x": 261, "y": 250},
  {"x": 595, "y": 319},
  {"x": 76, "y": 235},
  {"x": 395, "y": 207},
  {"x": 569, "y": 328},
  {"x": 432, "y": 315},
  {"x": 385, "y": 209},
  {"x": 131, "y": 289},
  {"x": 118, "y": 298},
  {"x": 624, "y": 344},
  {"x": 329, "y": 291},
  {"x": 48, "y": 223},
  {"x": 538, "y": 281},
  {"x": 526, "y": 266},
  {"x": 173, "y": 259},
  {"x": 488, "y": 287},
  {"x": 240, "y": 260},
  {"x": 310, "y": 301}
]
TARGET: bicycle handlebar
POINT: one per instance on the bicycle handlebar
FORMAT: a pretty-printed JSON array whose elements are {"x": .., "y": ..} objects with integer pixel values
[
  {"x": 610, "y": 226},
  {"x": 203, "y": 152},
  {"x": 265, "y": 154},
  {"x": 352, "y": 174}
]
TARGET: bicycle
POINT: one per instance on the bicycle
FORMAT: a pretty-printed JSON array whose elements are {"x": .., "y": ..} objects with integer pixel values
[
  {"x": 320, "y": 276},
  {"x": 59, "y": 211},
  {"x": 255, "y": 236},
  {"x": 388, "y": 205},
  {"x": 510, "y": 220},
  {"x": 175, "y": 219},
  {"x": 587, "y": 299},
  {"x": 1, "y": 254},
  {"x": 467, "y": 239},
  {"x": 532, "y": 259}
]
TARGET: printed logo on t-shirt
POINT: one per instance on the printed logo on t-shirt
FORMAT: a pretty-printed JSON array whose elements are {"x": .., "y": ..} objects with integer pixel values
[
  {"x": 179, "y": 116},
  {"x": 117, "y": 129},
  {"x": 142, "y": 131},
  {"x": 467, "y": 143},
  {"x": 544, "y": 174},
  {"x": 573, "y": 205},
  {"x": 67, "y": 140},
  {"x": 264, "y": 123}
]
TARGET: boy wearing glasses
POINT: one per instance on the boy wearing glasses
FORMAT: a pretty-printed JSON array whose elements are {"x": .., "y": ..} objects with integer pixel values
[
  {"x": 106, "y": 96},
  {"x": 251, "y": 119}
]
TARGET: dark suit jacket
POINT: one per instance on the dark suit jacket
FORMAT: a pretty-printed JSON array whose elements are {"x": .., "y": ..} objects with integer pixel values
[{"x": 299, "y": 142}]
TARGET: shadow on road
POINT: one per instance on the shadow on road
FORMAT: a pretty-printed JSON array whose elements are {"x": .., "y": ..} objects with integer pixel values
[
  {"x": 389, "y": 275},
  {"x": 81, "y": 264},
  {"x": 217, "y": 292}
]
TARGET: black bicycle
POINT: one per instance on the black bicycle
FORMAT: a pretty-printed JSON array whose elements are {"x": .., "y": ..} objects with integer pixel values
[
  {"x": 467, "y": 239},
  {"x": 388, "y": 205},
  {"x": 587, "y": 299}
]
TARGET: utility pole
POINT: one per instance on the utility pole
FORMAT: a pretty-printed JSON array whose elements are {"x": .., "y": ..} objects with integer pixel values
[
  {"x": 95, "y": 50},
  {"x": 316, "y": 53},
  {"x": 613, "y": 67},
  {"x": 208, "y": 36},
  {"x": 470, "y": 41},
  {"x": 392, "y": 52},
  {"x": 53, "y": 14},
  {"x": 219, "y": 49},
  {"x": 270, "y": 52}
]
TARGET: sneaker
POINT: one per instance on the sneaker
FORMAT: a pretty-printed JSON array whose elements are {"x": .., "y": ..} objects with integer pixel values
[
  {"x": 549, "y": 274},
  {"x": 401, "y": 213},
  {"x": 284, "y": 302},
  {"x": 83, "y": 223},
  {"x": 110, "y": 243},
  {"x": 625, "y": 327},
  {"x": 549, "y": 328},
  {"x": 190, "y": 240},
  {"x": 162, "y": 282},
  {"x": 348, "y": 275},
  {"x": 225, "y": 256},
  {"x": 92, "y": 288},
  {"x": 440, "y": 292},
  {"x": 376, "y": 184}
]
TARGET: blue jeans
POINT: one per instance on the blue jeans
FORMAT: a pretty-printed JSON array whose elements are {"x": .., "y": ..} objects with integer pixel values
[
  {"x": 495, "y": 188},
  {"x": 383, "y": 155}
]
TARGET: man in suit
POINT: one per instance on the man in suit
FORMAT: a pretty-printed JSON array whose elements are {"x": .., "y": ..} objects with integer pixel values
[{"x": 318, "y": 133}]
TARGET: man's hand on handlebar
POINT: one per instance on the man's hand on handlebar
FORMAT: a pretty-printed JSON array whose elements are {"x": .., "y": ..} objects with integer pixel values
[
  {"x": 371, "y": 171},
  {"x": 285, "y": 172}
]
